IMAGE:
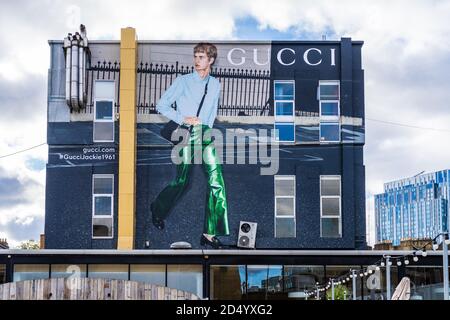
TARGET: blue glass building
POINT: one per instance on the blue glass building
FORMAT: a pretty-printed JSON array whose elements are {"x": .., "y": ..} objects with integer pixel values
[{"x": 413, "y": 208}]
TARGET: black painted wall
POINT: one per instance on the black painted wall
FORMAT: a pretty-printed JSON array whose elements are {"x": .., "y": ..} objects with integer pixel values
[{"x": 250, "y": 195}]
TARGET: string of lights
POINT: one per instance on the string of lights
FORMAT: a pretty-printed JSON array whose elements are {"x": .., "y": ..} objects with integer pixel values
[{"x": 378, "y": 264}]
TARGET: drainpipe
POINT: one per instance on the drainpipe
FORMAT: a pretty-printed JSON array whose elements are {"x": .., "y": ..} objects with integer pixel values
[
  {"x": 82, "y": 67},
  {"x": 68, "y": 50},
  {"x": 76, "y": 51},
  {"x": 74, "y": 72}
]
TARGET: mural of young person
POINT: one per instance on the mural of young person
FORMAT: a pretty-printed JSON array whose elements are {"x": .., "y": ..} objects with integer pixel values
[{"x": 187, "y": 91}]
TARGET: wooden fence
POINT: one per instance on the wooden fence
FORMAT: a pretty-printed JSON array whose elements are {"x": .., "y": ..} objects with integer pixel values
[{"x": 89, "y": 289}]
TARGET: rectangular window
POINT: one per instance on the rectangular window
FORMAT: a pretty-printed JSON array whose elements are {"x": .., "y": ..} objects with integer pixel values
[
  {"x": 284, "y": 110},
  {"x": 68, "y": 270},
  {"x": 298, "y": 278},
  {"x": 186, "y": 277},
  {"x": 102, "y": 205},
  {"x": 108, "y": 271},
  {"x": 329, "y": 105},
  {"x": 330, "y": 132},
  {"x": 330, "y": 207},
  {"x": 329, "y": 90},
  {"x": 104, "y": 111},
  {"x": 149, "y": 273},
  {"x": 285, "y": 132},
  {"x": 284, "y": 90},
  {"x": 31, "y": 272},
  {"x": 228, "y": 282},
  {"x": 285, "y": 221},
  {"x": 2, "y": 273},
  {"x": 264, "y": 281},
  {"x": 329, "y": 110}
]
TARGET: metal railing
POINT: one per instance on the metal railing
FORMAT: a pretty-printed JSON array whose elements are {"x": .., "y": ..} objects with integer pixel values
[{"x": 244, "y": 92}]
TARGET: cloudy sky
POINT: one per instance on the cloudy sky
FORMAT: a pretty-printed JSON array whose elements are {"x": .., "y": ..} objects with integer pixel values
[{"x": 406, "y": 57}]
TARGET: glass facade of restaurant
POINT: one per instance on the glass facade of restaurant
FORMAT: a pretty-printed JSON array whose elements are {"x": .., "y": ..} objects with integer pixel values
[
  {"x": 292, "y": 281},
  {"x": 183, "y": 277},
  {"x": 2, "y": 273},
  {"x": 236, "y": 277}
]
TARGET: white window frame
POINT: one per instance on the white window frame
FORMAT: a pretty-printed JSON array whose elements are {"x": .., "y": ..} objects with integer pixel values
[
  {"x": 329, "y": 82},
  {"x": 109, "y": 99},
  {"x": 275, "y": 82},
  {"x": 331, "y": 177},
  {"x": 287, "y": 119},
  {"x": 285, "y": 177},
  {"x": 329, "y": 119},
  {"x": 95, "y": 195}
]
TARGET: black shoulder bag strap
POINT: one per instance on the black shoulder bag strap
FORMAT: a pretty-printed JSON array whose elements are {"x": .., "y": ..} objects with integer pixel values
[{"x": 201, "y": 102}]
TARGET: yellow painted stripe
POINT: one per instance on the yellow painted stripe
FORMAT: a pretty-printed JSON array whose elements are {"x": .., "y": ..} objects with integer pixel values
[{"x": 127, "y": 139}]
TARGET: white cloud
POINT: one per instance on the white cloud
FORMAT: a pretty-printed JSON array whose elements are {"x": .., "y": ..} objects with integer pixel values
[{"x": 405, "y": 57}]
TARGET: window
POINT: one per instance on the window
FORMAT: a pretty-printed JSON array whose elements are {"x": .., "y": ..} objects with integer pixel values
[
  {"x": 330, "y": 207},
  {"x": 2, "y": 273},
  {"x": 188, "y": 278},
  {"x": 228, "y": 282},
  {"x": 329, "y": 90},
  {"x": 329, "y": 132},
  {"x": 68, "y": 270},
  {"x": 264, "y": 281},
  {"x": 102, "y": 205},
  {"x": 31, "y": 272},
  {"x": 285, "y": 132},
  {"x": 300, "y": 278},
  {"x": 346, "y": 289},
  {"x": 104, "y": 111},
  {"x": 148, "y": 273},
  {"x": 285, "y": 223},
  {"x": 329, "y": 105},
  {"x": 108, "y": 271},
  {"x": 284, "y": 102}
]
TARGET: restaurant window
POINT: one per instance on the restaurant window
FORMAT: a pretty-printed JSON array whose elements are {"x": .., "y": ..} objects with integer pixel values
[
  {"x": 264, "y": 282},
  {"x": 108, "y": 271},
  {"x": 68, "y": 270},
  {"x": 188, "y": 278},
  {"x": 149, "y": 273},
  {"x": 2, "y": 273},
  {"x": 227, "y": 282},
  {"x": 344, "y": 290},
  {"x": 301, "y": 279},
  {"x": 426, "y": 282},
  {"x": 31, "y": 272}
]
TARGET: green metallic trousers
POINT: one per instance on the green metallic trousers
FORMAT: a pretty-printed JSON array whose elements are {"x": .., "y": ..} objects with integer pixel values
[{"x": 216, "y": 220}]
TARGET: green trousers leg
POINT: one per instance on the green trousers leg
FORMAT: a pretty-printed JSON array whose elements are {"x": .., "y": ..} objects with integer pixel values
[{"x": 216, "y": 219}]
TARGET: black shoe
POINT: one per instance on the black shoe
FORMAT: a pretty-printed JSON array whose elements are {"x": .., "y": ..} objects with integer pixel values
[
  {"x": 157, "y": 222},
  {"x": 214, "y": 242}
]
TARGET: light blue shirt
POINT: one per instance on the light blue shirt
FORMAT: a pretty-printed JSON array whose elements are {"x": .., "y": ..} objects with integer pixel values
[{"x": 187, "y": 91}]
